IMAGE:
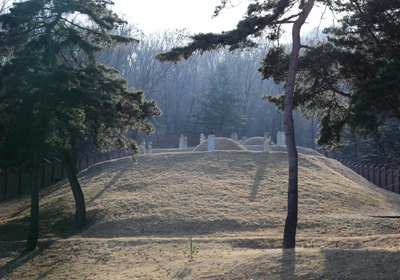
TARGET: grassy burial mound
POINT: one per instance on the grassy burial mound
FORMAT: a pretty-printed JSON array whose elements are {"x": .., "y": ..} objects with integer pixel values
[
  {"x": 221, "y": 144},
  {"x": 233, "y": 204},
  {"x": 300, "y": 150},
  {"x": 255, "y": 141}
]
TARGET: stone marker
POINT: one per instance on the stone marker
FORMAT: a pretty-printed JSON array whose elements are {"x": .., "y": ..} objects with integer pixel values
[
  {"x": 185, "y": 141},
  {"x": 234, "y": 136},
  {"x": 181, "y": 141},
  {"x": 267, "y": 145},
  {"x": 266, "y": 136},
  {"x": 244, "y": 138},
  {"x": 202, "y": 138},
  {"x": 281, "y": 138},
  {"x": 142, "y": 146},
  {"x": 211, "y": 143},
  {"x": 150, "y": 147}
]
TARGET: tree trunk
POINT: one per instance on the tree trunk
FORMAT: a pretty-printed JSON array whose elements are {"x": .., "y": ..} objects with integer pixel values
[
  {"x": 80, "y": 214},
  {"x": 289, "y": 237},
  {"x": 74, "y": 152},
  {"x": 33, "y": 231}
]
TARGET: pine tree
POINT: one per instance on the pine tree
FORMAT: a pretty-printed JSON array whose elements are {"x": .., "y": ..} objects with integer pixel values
[
  {"x": 220, "y": 103},
  {"x": 264, "y": 18},
  {"x": 352, "y": 77},
  {"x": 48, "y": 97}
]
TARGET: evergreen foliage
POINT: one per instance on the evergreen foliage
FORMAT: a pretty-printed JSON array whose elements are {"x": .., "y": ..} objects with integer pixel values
[
  {"x": 49, "y": 97},
  {"x": 352, "y": 78},
  {"x": 219, "y": 104}
]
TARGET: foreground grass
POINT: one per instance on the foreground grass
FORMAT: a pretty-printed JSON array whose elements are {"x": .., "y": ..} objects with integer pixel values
[{"x": 232, "y": 203}]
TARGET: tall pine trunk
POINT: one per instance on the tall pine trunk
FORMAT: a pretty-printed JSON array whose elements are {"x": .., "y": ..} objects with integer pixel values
[
  {"x": 289, "y": 236},
  {"x": 80, "y": 214},
  {"x": 33, "y": 231}
]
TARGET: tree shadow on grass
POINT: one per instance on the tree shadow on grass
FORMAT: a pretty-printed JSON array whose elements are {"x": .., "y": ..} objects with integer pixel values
[
  {"x": 157, "y": 226},
  {"x": 260, "y": 174},
  {"x": 109, "y": 185},
  {"x": 14, "y": 233},
  {"x": 24, "y": 257},
  {"x": 322, "y": 264}
]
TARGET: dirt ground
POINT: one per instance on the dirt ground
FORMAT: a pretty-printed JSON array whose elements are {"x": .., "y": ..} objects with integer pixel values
[{"x": 233, "y": 205}]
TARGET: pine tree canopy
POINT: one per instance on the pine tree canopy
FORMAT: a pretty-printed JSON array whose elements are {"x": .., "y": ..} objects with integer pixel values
[
  {"x": 263, "y": 18},
  {"x": 51, "y": 85},
  {"x": 352, "y": 77}
]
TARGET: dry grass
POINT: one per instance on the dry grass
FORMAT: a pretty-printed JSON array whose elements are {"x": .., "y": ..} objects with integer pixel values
[
  {"x": 233, "y": 203},
  {"x": 221, "y": 144}
]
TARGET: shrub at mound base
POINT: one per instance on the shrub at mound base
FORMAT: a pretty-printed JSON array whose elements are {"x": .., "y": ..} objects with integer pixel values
[
  {"x": 221, "y": 144},
  {"x": 255, "y": 141}
]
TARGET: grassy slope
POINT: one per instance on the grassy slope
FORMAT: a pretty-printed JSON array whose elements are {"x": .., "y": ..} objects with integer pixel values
[{"x": 233, "y": 203}]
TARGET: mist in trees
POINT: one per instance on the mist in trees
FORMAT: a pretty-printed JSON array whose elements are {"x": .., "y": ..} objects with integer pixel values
[{"x": 178, "y": 89}]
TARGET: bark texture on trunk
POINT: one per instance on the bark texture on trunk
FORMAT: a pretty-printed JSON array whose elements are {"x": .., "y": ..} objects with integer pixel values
[
  {"x": 33, "y": 231},
  {"x": 74, "y": 152},
  {"x": 80, "y": 214},
  {"x": 289, "y": 237}
]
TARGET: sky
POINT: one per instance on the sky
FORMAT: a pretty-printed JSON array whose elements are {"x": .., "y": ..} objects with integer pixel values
[{"x": 195, "y": 15}]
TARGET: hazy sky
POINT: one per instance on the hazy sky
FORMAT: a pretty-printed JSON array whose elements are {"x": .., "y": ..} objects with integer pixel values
[{"x": 192, "y": 14}]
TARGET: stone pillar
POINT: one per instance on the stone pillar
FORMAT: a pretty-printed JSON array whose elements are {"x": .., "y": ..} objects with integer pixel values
[
  {"x": 185, "y": 141},
  {"x": 283, "y": 139},
  {"x": 150, "y": 147},
  {"x": 278, "y": 139},
  {"x": 267, "y": 145},
  {"x": 234, "y": 136},
  {"x": 211, "y": 143},
  {"x": 202, "y": 138},
  {"x": 181, "y": 141},
  {"x": 244, "y": 138},
  {"x": 396, "y": 182}
]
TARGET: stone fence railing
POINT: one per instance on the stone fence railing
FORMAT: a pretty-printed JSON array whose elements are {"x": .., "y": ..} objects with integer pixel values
[
  {"x": 13, "y": 183},
  {"x": 381, "y": 175}
]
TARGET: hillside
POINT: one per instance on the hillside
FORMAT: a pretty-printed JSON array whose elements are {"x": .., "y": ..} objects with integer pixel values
[{"x": 233, "y": 204}]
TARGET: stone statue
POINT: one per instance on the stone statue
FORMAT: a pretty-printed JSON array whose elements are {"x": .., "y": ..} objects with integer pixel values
[
  {"x": 267, "y": 145},
  {"x": 181, "y": 141},
  {"x": 202, "y": 138},
  {"x": 150, "y": 147},
  {"x": 142, "y": 146}
]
